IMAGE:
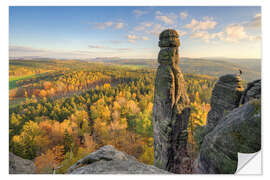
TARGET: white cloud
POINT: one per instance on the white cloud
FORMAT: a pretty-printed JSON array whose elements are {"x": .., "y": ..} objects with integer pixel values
[
  {"x": 103, "y": 25},
  {"x": 232, "y": 33},
  {"x": 181, "y": 33},
  {"x": 119, "y": 25},
  {"x": 139, "y": 13},
  {"x": 145, "y": 38},
  {"x": 143, "y": 26},
  {"x": 165, "y": 19},
  {"x": 25, "y": 49},
  {"x": 156, "y": 29},
  {"x": 169, "y": 19},
  {"x": 235, "y": 32},
  {"x": 95, "y": 47},
  {"x": 256, "y": 22},
  {"x": 107, "y": 48},
  {"x": 206, "y": 24},
  {"x": 183, "y": 15},
  {"x": 107, "y": 24},
  {"x": 132, "y": 38},
  {"x": 205, "y": 36},
  {"x": 158, "y": 13}
]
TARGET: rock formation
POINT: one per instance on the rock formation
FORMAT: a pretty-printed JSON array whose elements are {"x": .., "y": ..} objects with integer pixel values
[
  {"x": 253, "y": 91},
  {"x": 238, "y": 131},
  {"x": 171, "y": 106},
  {"x": 108, "y": 160},
  {"x": 225, "y": 97},
  {"x": 18, "y": 165}
]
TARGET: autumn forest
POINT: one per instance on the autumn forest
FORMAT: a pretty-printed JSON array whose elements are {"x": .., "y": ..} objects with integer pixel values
[{"x": 61, "y": 110}]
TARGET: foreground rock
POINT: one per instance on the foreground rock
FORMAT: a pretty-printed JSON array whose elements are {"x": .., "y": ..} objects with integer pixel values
[
  {"x": 238, "y": 131},
  {"x": 171, "y": 108},
  {"x": 108, "y": 160},
  {"x": 18, "y": 165}
]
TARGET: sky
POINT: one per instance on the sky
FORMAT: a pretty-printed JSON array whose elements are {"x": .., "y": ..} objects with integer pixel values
[{"x": 76, "y": 32}]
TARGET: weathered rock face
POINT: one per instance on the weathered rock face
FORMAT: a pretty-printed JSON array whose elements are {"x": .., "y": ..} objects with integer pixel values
[
  {"x": 108, "y": 160},
  {"x": 225, "y": 97},
  {"x": 19, "y": 165},
  {"x": 253, "y": 91},
  {"x": 238, "y": 131},
  {"x": 171, "y": 106}
]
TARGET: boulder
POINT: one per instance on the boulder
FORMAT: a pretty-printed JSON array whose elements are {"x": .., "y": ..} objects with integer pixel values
[
  {"x": 18, "y": 165},
  {"x": 238, "y": 131},
  {"x": 108, "y": 160}
]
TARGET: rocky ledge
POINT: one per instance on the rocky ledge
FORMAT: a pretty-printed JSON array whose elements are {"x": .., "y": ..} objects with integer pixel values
[
  {"x": 108, "y": 160},
  {"x": 18, "y": 165}
]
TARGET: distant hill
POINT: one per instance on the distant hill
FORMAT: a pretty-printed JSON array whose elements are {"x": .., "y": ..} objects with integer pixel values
[{"x": 251, "y": 68}]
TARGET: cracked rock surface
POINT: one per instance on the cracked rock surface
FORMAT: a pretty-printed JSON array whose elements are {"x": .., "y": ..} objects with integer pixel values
[
  {"x": 18, "y": 165},
  {"x": 108, "y": 160}
]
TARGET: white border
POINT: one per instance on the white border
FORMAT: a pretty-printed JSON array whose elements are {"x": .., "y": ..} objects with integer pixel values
[{"x": 4, "y": 72}]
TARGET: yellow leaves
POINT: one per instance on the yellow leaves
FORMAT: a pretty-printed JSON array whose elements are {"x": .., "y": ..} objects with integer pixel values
[
  {"x": 49, "y": 160},
  {"x": 89, "y": 143},
  {"x": 47, "y": 85},
  {"x": 149, "y": 108},
  {"x": 148, "y": 155},
  {"x": 31, "y": 128},
  {"x": 16, "y": 139},
  {"x": 15, "y": 119},
  {"x": 116, "y": 106},
  {"x": 106, "y": 86},
  {"x": 43, "y": 93},
  {"x": 133, "y": 107}
]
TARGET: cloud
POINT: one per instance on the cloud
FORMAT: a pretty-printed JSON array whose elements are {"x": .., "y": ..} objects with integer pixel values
[
  {"x": 206, "y": 24},
  {"x": 181, "y": 33},
  {"x": 255, "y": 23},
  {"x": 232, "y": 33},
  {"x": 116, "y": 41},
  {"x": 142, "y": 26},
  {"x": 183, "y": 15},
  {"x": 25, "y": 49},
  {"x": 169, "y": 19},
  {"x": 156, "y": 29},
  {"x": 107, "y": 48},
  {"x": 95, "y": 47},
  {"x": 132, "y": 38},
  {"x": 145, "y": 38},
  {"x": 119, "y": 25},
  {"x": 165, "y": 19},
  {"x": 103, "y": 25},
  {"x": 235, "y": 32},
  {"x": 107, "y": 24},
  {"x": 158, "y": 13},
  {"x": 205, "y": 36},
  {"x": 139, "y": 13}
]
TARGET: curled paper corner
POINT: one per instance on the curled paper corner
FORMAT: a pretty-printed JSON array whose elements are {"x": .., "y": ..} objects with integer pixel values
[{"x": 249, "y": 163}]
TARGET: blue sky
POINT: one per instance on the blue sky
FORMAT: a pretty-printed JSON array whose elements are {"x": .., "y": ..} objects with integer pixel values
[{"x": 132, "y": 32}]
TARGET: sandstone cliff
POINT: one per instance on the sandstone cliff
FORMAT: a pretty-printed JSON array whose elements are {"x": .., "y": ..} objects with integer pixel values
[
  {"x": 171, "y": 106},
  {"x": 238, "y": 131}
]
